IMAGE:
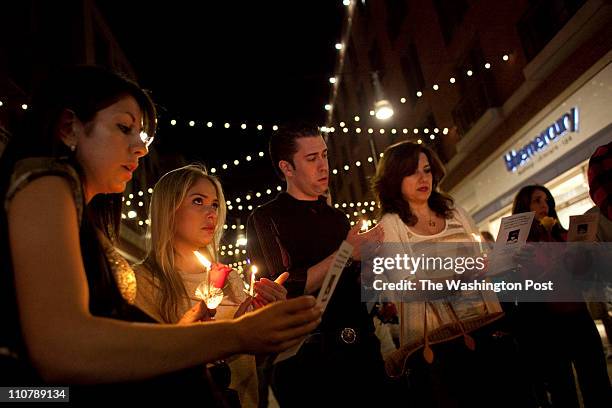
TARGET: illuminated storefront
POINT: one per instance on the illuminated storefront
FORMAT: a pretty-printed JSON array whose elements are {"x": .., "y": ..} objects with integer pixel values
[{"x": 552, "y": 149}]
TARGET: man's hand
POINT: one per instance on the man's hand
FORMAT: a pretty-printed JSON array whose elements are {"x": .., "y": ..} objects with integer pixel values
[
  {"x": 374, "y": 236},
  {"x": 268, "y": 291}
]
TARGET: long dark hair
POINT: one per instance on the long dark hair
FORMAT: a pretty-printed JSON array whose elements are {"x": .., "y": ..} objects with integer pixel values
[
  {"x": 522, "y": 203},
  {"x": 85, "y": 90},
  {"x": 401, "y": 160}
]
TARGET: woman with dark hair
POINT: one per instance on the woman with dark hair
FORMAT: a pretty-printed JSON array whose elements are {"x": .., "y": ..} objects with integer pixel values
[
  {"x": 553, "y": 336},
  {"x": 428, "y": 207},
  {"x": 66, "y": 293},
  {"x": 473, "y": 361},
  {"x": 546, "y": 226}
]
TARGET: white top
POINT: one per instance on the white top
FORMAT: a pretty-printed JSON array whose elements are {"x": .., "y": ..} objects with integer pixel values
[{"x": 400, "y": 239}]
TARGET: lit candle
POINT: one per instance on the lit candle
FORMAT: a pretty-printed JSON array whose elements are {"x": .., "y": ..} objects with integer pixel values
[
  {"x": 253, "y": 272},
  {"x": 478, "y": 239},
  {"x": 364, "y": 226},
  {"x": 203, "y": 260},
  {"x": 211, "y": 295}
]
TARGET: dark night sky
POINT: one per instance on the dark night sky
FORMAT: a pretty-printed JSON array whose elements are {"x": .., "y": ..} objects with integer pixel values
[
  {"x": 253, "y": 61},
  {"x": 262, "y": 62}
]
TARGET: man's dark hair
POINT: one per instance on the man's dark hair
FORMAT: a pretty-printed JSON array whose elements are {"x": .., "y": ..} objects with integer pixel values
[{"x": 283, "y": 143}]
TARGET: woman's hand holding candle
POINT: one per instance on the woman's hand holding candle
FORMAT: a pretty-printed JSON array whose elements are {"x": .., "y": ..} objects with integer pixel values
[
  {"x": 207, "y": 291},
  {"x": 198, "y": 313}
]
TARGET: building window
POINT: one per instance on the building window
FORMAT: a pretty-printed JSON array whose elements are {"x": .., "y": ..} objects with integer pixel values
[
  {"x": 411, "y": 67},
  {"x": 473, "y": 60},
  {"x": 542, "y": 21},
  {"x": 396, "y": 11},
  {"x": 450, "y": 14},
  {"x": 477, "y": 91}
]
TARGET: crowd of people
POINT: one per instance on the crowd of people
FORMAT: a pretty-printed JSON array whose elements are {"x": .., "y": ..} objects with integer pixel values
[{"x": 76, "y": 312}]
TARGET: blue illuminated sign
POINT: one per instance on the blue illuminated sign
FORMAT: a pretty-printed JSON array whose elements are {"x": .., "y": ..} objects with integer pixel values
[{"x": 566, "y": 123}]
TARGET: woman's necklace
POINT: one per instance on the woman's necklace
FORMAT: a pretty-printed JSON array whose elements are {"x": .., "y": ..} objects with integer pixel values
[
  {"x": 429, "y": 226},
  {"x": 432, "y": 223}
]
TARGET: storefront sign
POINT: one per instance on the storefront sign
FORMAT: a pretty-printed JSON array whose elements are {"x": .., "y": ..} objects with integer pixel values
[{"x": 565, "y": 124}]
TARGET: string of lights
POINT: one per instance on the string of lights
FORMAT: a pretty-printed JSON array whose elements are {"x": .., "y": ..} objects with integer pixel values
[
  {"x": 24, "y": 106},
  {"x": 328, "y": 129},
  {"x": 236, "y": 162},
  {"x": 216, "y": 125},
  {"x": 238, "y": 201},
  {"x": 431, "y": 88},
  {"x": 370, "y": 130},
  {"x": 138, "y": 200},
  {"x": 343, "y": 127},
  {"x": 231, "y": 252},
  {"x": 132, "y": 215}
]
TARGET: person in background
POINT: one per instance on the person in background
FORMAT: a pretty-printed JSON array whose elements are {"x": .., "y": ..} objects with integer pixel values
[
  {"x": 488, "y": 237},
  {"x": 600, "y": 190},
  {"x": 557, "y": 338}
]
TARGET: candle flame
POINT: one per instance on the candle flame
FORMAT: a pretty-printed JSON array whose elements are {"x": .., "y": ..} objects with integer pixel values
[
  {"x": 252, "y": 283},
  {"x": 202, "y": 259},
  {"x": 364, "y": 225}
]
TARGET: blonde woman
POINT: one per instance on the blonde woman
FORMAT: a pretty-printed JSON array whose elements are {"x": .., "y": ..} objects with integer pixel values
[{"x": 187, "y": 214}]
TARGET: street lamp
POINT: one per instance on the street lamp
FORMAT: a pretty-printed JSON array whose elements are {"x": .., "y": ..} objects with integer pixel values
[{"x": 382, "y": 108}]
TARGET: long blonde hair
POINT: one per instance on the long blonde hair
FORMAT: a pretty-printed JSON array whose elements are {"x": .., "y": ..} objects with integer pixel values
[{"x": 168, "y": 194}]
